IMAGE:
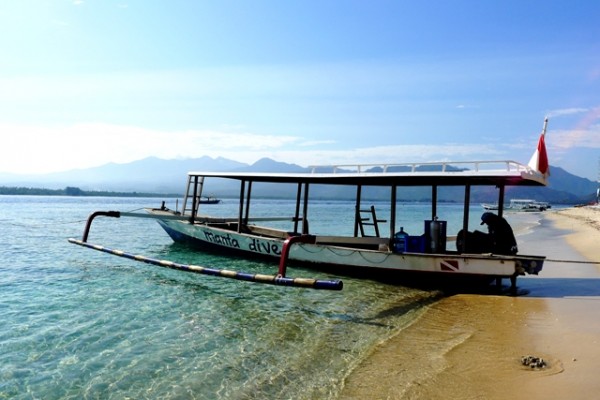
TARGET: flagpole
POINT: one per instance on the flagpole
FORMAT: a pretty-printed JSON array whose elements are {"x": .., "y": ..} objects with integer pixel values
[{"x": 545, "y": 126}]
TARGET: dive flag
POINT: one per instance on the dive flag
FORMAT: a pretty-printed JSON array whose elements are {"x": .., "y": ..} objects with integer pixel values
[{"x": 539, "y": 160}]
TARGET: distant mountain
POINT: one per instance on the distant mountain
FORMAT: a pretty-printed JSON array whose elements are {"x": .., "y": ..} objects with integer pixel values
[
  {"x": 268, "y": 165},
  {"x": 563, "y": 188},
  {"x": 561, "y": 180},
  {"x": 169, "y": 176},
  {"x": 147, "y": 175}
]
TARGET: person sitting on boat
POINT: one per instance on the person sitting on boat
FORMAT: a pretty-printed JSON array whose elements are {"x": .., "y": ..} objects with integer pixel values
[{"x": 501, "y": 234}]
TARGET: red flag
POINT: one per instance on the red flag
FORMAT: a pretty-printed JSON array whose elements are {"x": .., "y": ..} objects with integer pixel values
[
  {"x": 542, "y": 156},
  {"x": 539, "y": 160}
]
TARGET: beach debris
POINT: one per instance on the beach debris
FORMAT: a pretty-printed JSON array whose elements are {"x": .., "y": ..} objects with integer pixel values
[{"x": 533, "y": 362}]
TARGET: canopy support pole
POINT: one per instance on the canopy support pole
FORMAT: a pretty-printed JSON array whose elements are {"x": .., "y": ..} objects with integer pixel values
[
  {"x": 393, "y": 213},
  {"x": 248, "y": 196},
  {"x": 305, "y": 210},
  {"x": 357, "y": 209},
  {"x": 434, "y": 196},
  {"x": 466, "y": 214},
  {"x": 297, "y": 214},
  {"x": 501, "y": 200}
]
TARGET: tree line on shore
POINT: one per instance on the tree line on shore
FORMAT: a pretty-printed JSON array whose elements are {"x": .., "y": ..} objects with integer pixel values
[{"x": 73, "y": 191}]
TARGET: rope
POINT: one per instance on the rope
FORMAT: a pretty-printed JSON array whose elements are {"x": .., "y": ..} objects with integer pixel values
[
  {"x": 572, "y": 261},
  {"x": 136, "y": 209},
  {"x": 43, "y": 224}
]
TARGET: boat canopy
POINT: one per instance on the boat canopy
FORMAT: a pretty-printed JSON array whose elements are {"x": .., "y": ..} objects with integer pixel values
[{"x": 498, "y": 173}]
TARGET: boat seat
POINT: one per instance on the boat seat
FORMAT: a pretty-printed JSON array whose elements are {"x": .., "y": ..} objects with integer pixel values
[
  {"x": 268, "y": 232},
  {"x": 368, "y": 242}
]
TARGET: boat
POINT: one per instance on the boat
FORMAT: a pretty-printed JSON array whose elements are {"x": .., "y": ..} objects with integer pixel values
[
  {"x": 209, "y": 200},
  {"x": 490, "y": 207},
  {"x": 542, "y": 205},
  {"x": 250, "y": 234},
  {"x": 382, "y": 254},
  {"x": 520, "y": 205}
]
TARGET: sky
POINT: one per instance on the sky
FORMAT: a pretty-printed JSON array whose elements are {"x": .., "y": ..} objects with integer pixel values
[{"x": 88, "y": 82}]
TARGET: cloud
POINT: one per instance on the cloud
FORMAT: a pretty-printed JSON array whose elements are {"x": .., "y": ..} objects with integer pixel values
[
  {"x": 584, "y": 138},
  {"x": 37, "y": 149},
  {"x": 565, "y": 111},
  {"x": 466, "y": 106},
  {"x": 59, "y": 23},
  {"x": 585, "y": 130},
  {"x": 316, "y": 142}
]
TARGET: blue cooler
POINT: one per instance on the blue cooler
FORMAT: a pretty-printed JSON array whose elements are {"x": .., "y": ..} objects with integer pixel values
[{"x": 416, "y": 244}]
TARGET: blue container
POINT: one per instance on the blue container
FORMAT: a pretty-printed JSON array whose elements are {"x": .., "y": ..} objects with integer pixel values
[
  {"x": 400, "y": 241},
  {"x": 416, "y": 244}
]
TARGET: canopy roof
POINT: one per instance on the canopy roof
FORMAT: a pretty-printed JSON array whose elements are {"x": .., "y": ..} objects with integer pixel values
[{"x": 499, "y": 173}]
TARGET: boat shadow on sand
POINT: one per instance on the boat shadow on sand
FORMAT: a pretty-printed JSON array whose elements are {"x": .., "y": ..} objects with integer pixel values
[
  {"x": 561, "y": 287},
  {"x": 527, "y": 286}
]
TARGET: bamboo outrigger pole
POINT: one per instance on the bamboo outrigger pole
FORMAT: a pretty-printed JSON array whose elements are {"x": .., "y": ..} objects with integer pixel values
[{"x": 223, "y": 273}]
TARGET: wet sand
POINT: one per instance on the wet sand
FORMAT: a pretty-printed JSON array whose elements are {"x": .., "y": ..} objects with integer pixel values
[{"x": 470, "y": 346}]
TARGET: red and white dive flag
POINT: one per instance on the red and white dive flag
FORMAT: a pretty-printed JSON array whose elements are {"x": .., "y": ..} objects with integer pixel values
[{"x": 539, "y": 160}]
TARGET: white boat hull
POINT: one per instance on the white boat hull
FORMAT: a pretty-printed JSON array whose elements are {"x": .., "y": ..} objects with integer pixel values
[{"x": 351, "y": 260}]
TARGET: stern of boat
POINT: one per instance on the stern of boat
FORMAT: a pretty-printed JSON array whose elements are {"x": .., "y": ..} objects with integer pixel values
[{"x": 529, "y": 265}]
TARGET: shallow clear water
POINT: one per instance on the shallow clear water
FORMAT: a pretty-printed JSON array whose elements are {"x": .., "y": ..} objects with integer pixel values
[{"x": 77, "y": 323}]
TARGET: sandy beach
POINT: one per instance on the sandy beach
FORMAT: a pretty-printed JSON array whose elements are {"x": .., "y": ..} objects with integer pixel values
[{"x": 470, "y": 346}]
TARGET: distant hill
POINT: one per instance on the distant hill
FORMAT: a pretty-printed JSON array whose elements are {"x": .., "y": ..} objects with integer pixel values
[
  {"x": 147, "y": 175},
  {"x": 268, "y": 165},
  {"x": 563, "y": 188},
  {"x": 169, "y": 176}
]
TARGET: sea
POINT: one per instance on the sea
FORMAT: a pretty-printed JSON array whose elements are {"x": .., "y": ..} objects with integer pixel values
[{"x": 81, "y": 324}]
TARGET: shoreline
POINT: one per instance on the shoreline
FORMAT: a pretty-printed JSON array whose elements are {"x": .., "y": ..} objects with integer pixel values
[{"x": 470, "y": 346}]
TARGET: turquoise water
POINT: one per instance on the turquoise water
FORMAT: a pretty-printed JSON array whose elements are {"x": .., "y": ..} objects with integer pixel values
[{"x": 77, "y": 323}]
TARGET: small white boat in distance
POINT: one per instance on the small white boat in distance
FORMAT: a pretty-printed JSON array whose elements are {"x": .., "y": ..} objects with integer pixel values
[{"x": 520, "y": 205}]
